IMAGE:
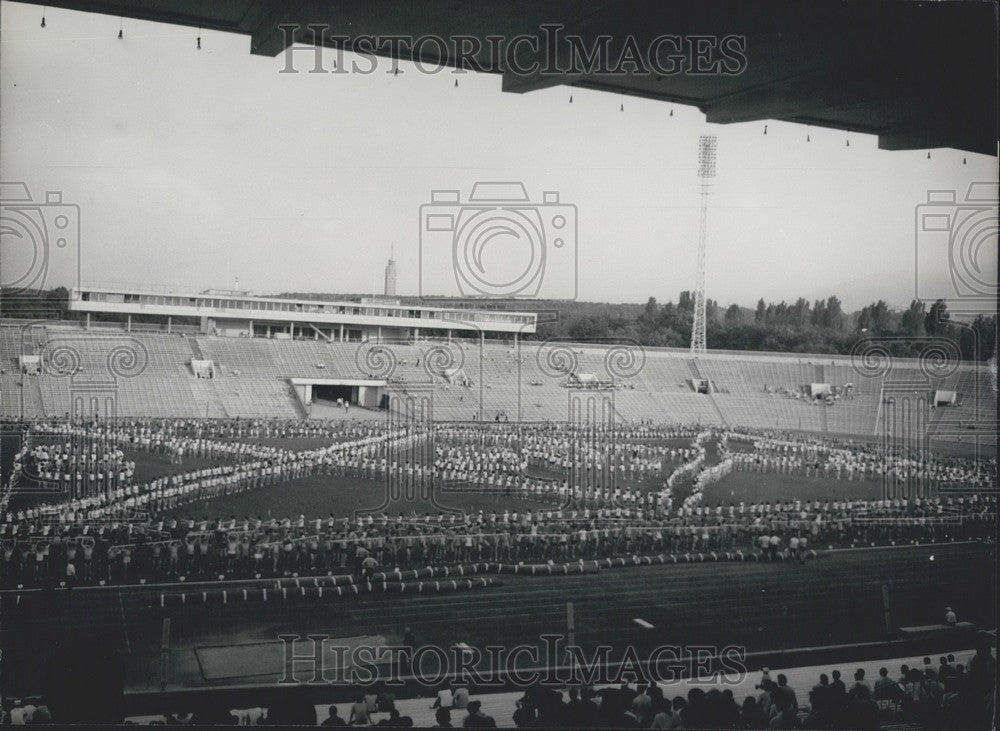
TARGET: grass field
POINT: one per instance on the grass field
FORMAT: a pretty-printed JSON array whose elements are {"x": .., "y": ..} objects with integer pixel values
[
  {"x": 320, "y": 495},
  {"x": 293, "y": 443},
  {"x": 148, "y": 466},
  {"x": 757, "y": 487}
]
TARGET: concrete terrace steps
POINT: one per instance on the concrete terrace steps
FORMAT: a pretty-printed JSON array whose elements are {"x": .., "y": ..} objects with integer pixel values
[
  {"x": 195, "y": 348},
  {"x": 252, "y": 381},
  {"x": 215, "y": 406}
]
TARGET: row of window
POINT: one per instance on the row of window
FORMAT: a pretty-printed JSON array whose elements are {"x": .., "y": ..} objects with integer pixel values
[{"x": 218, "y": 303}]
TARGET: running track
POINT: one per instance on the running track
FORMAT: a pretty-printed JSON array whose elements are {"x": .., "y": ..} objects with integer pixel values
[{"x": 834, "y": 599}]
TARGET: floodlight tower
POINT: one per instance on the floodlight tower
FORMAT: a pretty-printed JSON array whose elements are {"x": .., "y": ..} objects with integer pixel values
[{"x": 706, "y": 173}]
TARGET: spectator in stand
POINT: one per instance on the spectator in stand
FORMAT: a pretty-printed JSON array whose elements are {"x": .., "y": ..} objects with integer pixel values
[
  {"x": 661, "y": 713},
  {"x": 359, "y": 711},
  {"x": 443, "y": 718},
  {"x": 476, "y": 717},
  {"x": 751, "y": 715},
  {"x": 785, "y": 691},
  {"x": 980, "y": 685},
  {"x": 839, "y": 690},
  {"x": 862, "y": 712},
  {"x": 914, "y": 697},
  {"x": 934, "y": 692},
  {"x": 642, "y": 704},
  {"x": 944, "y": 668},
  {"x": 787, "y": 716},
  {"x": 823, "y": 691},
  {"x": 886, "y": 689},
  {"x": 819, "y": 702},
  {"x": 395, "y": 720},
  {"x": 334, "y": 718},
  {"x": 859, "y": 682},
  {"x": 950, "y": 618}
]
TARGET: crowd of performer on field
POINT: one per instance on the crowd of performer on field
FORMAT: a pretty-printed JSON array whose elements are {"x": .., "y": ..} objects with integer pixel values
[
  {"x": 160, "y": 548},
  {"x": 851, "y": 460},
  {"x": 602, "y": 493}
]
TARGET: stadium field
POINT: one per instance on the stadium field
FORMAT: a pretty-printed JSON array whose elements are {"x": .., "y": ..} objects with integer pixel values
[
  {"x": 293, "y": 443},
  {"x": 760, "y": 487},
  {"x": 320, "y": 495},
  {"x": 148, "y": 466}
]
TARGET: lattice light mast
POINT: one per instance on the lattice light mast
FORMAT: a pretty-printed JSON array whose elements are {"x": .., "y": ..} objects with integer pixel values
[{"x": 706, "y": 173}]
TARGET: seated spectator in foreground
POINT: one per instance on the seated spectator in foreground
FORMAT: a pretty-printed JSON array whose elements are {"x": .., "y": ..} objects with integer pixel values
[
  {"x": 334, "y": 718},
  {"x": 577, "y": 713},
  {"x": 885, "y": 687},
  {"x": 859, "y": 682},
  {"x": 751, "y": 715},
  {"x": 395, "y": 720},
  {"x": 944, "y": 668},
  {"x": 662, "y": 714},
  {"x": 819, "y": 696},
  {"x": 476, "y": 717},
  {"x": 386, "y": 699},
  {"x": 914, "y": 696},
  {"x": 862, "y": 713},
  {"x": 787, "y": 716},
  {"x": 443, "y": 718},
  {"x": 371, "y": 700},
  {"x": 359, "y": 711},
  {"x": 838, "y": 691},
  {"x": 641, "y": 705},
  {"x": 783, "y": 690}
]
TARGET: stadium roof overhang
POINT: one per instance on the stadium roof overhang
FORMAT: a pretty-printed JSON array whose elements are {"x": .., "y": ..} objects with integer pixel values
[{"x": 917, "y": 74}]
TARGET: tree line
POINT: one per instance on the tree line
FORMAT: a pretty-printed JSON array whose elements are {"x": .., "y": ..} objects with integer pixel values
[{"x": 820, "y": 326}]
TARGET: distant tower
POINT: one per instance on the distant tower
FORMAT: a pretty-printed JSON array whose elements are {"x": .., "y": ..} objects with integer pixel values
[
  {"x": 390, "y": 277},
  {"x": 706, "y": 172}
]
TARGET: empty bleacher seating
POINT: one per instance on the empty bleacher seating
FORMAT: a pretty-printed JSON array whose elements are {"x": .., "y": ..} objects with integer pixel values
[{"x": 154, "y": 378}]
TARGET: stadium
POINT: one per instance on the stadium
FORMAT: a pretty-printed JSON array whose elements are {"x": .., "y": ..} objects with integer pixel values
[{"x": 225, "y": 507}]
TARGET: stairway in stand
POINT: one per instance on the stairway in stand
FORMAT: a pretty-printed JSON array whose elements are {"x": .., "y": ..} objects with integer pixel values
[
  {"x": 214, "y": 408},
  {"x": 820, "y": 377},
  {"x": 195, "y": 349},
  {"x": 36, "y": 391},
  {"x": 696, "y": 374}
]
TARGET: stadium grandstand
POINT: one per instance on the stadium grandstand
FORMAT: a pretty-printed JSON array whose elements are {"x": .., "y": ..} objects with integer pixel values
[{"x": 49, "y": 367}]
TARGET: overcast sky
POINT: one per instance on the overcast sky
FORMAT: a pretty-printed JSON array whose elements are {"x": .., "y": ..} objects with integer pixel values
[{"x": 191, "y": 168}]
